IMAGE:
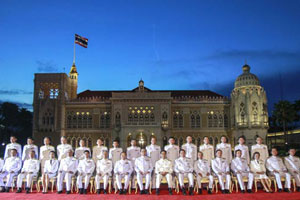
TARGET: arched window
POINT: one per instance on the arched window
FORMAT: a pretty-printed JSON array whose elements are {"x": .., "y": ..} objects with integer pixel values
[
  {"x": 215, "y": 120},
  {"x": 225, "y": 121},
  {"x": 90, "y": 143},
  {"x": 198, "y": 141},
  {"x": 210, "y": 121},
  {"x": 165, "y": 116},
  {"x": 175, "y": 121},
  {"x": 73, "y": 142},
  {"x": 193, "y": 122},
  {"x": 107, "y": 122},
  {"x": 242, "y": 113},
  {"x": 180, "y": 121},
  {"x": 220, "y": 120},
  {"x": 118, "y": 119},
  {"x": 165, "y": 141},
  {"x": 180, "y": 142},
  {"x": 198, "y": 121}
]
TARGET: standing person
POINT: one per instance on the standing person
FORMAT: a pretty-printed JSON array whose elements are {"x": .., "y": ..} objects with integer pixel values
[
  {"x": 240, "y": 168},
  {"x": 244, "y": 149},
  {"x": 257, "y": 166},
  {"x": 292, "y": 163},
  {"x": 261, "y": 148},
  {"x": 67, "y": 169},
  {"x": 190, "y": 149},
  {"x": 11, "y": 168},
  {"x": 123, "y": 169},
  {"x": 50, "y": 170},
  {"x": 143, "y": 168},
  {"x": 184, "y": 168},
  {"x": 63, "y": 149},
  {"x": 221, "y": 168},
  {"x": 103, "y": 172},
  {"x": 133, "y": 152},
  {"x": 30, "y": 169},
  {"x": 80, "y": 151},
  {"x": 172, "y": 150},
  {"x": 28, "y": 148},
  {"x": 153, "y": 152},
  {"x": 163, "y": 168},
  {"x": 45, "y": 152},
  {"x": 202, "y": 170},
  {"x": 13, "y": 145},
  {"x": 275, "y": 166},
  {"x": 115, "y": 152},
  {"x": 98, "y": 150},
  {"x": 225, "y": 147},
  {"x": 85, "y": 170},
  {"x": 207, "y": 150}
]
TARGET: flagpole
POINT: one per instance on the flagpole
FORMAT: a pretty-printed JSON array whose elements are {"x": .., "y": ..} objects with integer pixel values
[{"x": 74, "y": 53}]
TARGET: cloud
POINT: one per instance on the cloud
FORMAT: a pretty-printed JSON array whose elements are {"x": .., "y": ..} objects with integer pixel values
[
  {"x": 46, "y": 66},
  {"x": 15, "y": 92}
]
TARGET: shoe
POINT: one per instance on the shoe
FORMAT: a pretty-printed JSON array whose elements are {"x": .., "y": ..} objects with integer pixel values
[
  {"x": 146, "y": 191},
  {"x": 243, "y": 191},
  {"x": 7, "y": 189},
  {"x": 85, "y": 191},
  {"x": 287, "y": 190},
  {"x": 27, "y": 190},
  {"x": 80, "y": 190},
  {"x": 120, "y": 192},
  {"x": 183, "y": 191},
  {"x": 104, "y": 192},
  {"x": 142, "y": 192},
  {"x": 209, "y": 191},
  {"x": 98, "y": 191},
  {"x": 298, "y": 189},
  {"x": 157, "y": 191},
  {"x": 199, "y": 191},
  {"x": 19, "y": 190},
  {"x": 59, "y": 192},
  {"x": 191, "y": 189},
  {"x": 68, "y": 192},
  {"x": 170, "y": 191},
  {"x": 2, "y": 189},
  {"x": 279, "y": 190},
  {"x": 124, "y": 191},
  {"x": 223, "y": 191},
  {"x": 249, "y": 191},
  {"x": 226, "y": 191}
]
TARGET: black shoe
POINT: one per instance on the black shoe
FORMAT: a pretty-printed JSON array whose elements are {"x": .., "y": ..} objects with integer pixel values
[
  {"x": 209, "y": 191},
  {"x": 104, "y": 191},
  {"x": 249, "y": 191},
  {"x": 2, "y": 189},
  {"x": 191, "y": 191},
  {"x": 85, "y": 191},
  {"x": 298, "y": 189},
  {"x": 124, "y": 191},
  {"x": 226, "y": 191},
  {"x": 243, "y": 191},
  {"x": 183, "y": 191},
  {"x": 157, "y": 191},
  {"x": 141, "y": 191},
  {"x": 7, "y": 189},
  {"x": 19, "y": 190},
  {"x": 287, "y": 190},
  {"x": 200, "y": 191},
  {"x": 279, "y": 190},
  {"x": 223, "y": 191},
  {"x": 27, "y": 190},
  {"x": 98, "y": 191},
  {"x": 59, "y": 192},
  {"x": 68, "y": 192},
  {"x": 121, "y": 192},
  {"x": 80, "y": 190},
  {"x": 170, "y": 191}
]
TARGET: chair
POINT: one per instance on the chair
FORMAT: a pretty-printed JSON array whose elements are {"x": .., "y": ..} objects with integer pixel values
[
  {"x": 282, "y": 179},
  {"x": 185, "y": 180},
  {"x": 92, "y": 179},
  {"x": 122, "y": 181},
  {"x": 101, "y": 181},
  {"x": 34, "y": 180},
  {"x": 52, "y": 181},
  {"x": 258, "y": 180},
  {"x": 144, "y": 181}
]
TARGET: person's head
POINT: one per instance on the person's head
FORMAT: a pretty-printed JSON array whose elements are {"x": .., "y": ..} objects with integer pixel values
[
  {"x": 115, "y": 143},
  {"x": 86, "y": 153},
  {"x": 171, "y": 140},
  {"x": 105, "y": 154},
  {"x": 52, "y": 154},
  {"x": 63, "y": 140},
  {"x": 206, "y": 140},
  {"x": 143, "y": 152},
  {"x": 189, "y": 139},
  {"x": 224, "y": 139},
  {"x": 82, "y": 143},
  {"x": 200, "y": 155},
  {"x": 30, "y": 141},
  {"x": 182, "y": 153},
  {"x": 242, "y": 140},
  {"x": 70, "y": 153},
  {"x": 133, "y": 142},
  {"x": 13, "y": 152},
  {"x": 219, "y": 153},
  {"x": 123, "y": 155},
  {"x": 256, "y": 155},
  {"x": 274, "y": 151},
  {"x": 163, "y": 154},
  {"x": 238, "y": 153},
  {"x": 259, "y": 140},
  {"x": 47, "y": 141},
  {"x": 153, "y": 140},
  {"x": 292, "y": 151},
  {"x": 32, "y": 154},
  {"x": 13, "y": 139},
  {"x": 99, "y": 142}
]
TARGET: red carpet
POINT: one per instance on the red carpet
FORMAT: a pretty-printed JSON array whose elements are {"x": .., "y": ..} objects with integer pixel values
[{"x": 164, "y": 195}]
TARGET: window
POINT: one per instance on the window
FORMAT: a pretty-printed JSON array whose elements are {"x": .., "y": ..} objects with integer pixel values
[
  {"x": 79, "y": 120},
  {"x": 175, "y": 121},
  {"x": 220, "y": 120},
  {"x": 193, "y": 122},
  {"x": 198, "y": 121},
  {"x": 54, "y": 93},
  {"x": 118, "y": 119},
  {"x": 105, "y": 120},
  {"x": 225, "y": 121},
  {"x": 215, "y": 121},
  {"x": 210, "y": 122},
  {"x": 180, "y": 121}
]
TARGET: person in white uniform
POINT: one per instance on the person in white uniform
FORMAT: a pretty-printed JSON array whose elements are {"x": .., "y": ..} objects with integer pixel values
[
  {"x": 11, "y": 168},
  {"x": 1, "y": 164},
  {"x": 103, "y": 172},
  {"x": 67, "y": 169},
  {"x": 292, "y": 163},
  {"x": 172, "y": 150},
  {"x": 45, "y": 152},
  {"x": 115, "y": 152},
  {"x": 153, "y": 152},
  {"x": 13, "y": 145},
  {"x": 202, "y": 170},
  {"x": 221, "y": 168},
  {"x": 123, "y": 169},
  {"x": 244, "y": 149},
  {"x": 143, "y": 168},
  {"x": 275, "y": 166},
  {"x": 30, "y": 146},
  {"x": 240, "y": 168},
  {"x": 163, "y": 168},
  {"x": 29, "y": 170},
  {"x": 98, "y": 150},
  {"x": 257, "y": 166},
  {"x": 184, "y": 168},
  {"x": 80, "y": 151},
  {"x": 133, "y": 152},
  {"x": 190, "y": 149},
  {"x": 226, "y": 149},
  {"x": 207, "y": 150},
  {"x": 85, "y": 170},
  {"x": 63, "y": 148},
  {"x": 50, "y": 171},
  {"x": 261, "y": 148}
]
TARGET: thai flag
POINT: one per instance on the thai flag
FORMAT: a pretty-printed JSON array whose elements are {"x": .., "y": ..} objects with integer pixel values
[{"x": 81, "y": 41}]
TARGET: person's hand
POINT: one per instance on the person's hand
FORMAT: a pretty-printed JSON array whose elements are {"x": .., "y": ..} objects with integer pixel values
[
  {"x": 228, "y": 173},
  {"x": 220, "y": 173},
  {"x": 88, "y": 173},
  {"x": 30, "y": 173},
  {"x": 126, "y": 173},
  {"x": 200, "y": 174},
  {"x": 207, "y": 174},
  {"x": 275, "y": 171},
  {"x": 295, "y": 172},
  {"x": 70, "y": 172}
]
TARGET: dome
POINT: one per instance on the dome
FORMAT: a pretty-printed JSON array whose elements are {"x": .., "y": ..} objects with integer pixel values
[{"x": 247, "y": 78}]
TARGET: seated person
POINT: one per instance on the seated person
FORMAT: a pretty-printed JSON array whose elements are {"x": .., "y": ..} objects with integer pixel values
[
  {"x": 123, "y": 169},
  {"x": 163, "y": 168},
  {"x": 103, "y": 171},
  {"x": 202, "y": 170},
  {"x": 143, "y": 168},
  {"x": 50, "y": 171},
  {"x": 85, "y": 170}
]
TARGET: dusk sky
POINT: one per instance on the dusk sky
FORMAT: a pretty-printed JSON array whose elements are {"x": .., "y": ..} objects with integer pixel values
[{"x": 170, "y": 44}]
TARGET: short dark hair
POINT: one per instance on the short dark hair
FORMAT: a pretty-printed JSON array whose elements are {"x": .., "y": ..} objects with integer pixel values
[
  {"x": 30, "y": 138},
  {"x": 116, "y": 141},
  {"x": 205, "y": 137},
  {"x": 86, "y": 151},
  {"x": 237, "y": 151},
  {"x": 255, "y": 154},
  {"x": 181, "y": 150},
  {"x": 275, "y": 148},
  {"x": 224, "y": 137},
  {"x": 219, "y": 150},
  {"x": 243, "y": 137},
  {"x": 163, "y": 151},
  {"x": 171, "y": 138}
]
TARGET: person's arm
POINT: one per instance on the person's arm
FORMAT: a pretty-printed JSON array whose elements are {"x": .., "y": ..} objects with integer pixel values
[
  {"x": 37, "y": 167},
  {"x": 176, "y": 169},
  {"x": 24, "y": 153},
  {"x": 269, "y": 166},
  {"x": 116, "y": 168},
  {"x": 36, "y": 149},
  {"x": 233, "y": 167},
  {"x": 136, "y": 168},
  {"x": 55, "y": 169}
]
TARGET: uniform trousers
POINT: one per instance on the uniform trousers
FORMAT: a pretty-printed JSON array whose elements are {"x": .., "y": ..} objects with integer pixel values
[
  {"x": 140, "y": 177},
  {"x": 86, "y": 180},
  {"x": 181, "y": 177},
  {"x": 68, "y": 178},
  {"x": 9, "y": 178},
  {"x": 119, "y": 180},
  {"x": 28, "y": 176},
  {"x": 210, "y": 178},
  {"x": 105, "y": 178},
  {"x": 160, "y": 176}
]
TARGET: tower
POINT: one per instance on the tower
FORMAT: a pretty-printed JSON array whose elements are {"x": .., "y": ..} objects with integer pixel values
[
  {"x": 73, "y": 77},
  {"x": 249, "y": 114}
]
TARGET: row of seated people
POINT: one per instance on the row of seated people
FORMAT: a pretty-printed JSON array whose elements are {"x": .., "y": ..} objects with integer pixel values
[{"x": 142, "y": 169}]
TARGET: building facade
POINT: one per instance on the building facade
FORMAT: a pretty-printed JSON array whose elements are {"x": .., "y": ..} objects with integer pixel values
[{"x": 142, "y": 113}]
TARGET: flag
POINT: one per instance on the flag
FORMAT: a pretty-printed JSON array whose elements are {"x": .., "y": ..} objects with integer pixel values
[{"x": 81, "y": 41}]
